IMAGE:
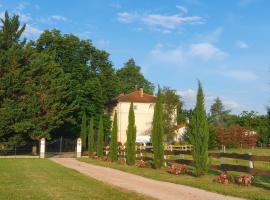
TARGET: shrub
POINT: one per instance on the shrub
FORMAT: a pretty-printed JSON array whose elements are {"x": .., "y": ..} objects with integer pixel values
[
  {"x": 177, "y": 169},
  {"x": 225, "y": 179},
  {"x": 142, "y": 164},
  {"x": 236, "y": 136}
]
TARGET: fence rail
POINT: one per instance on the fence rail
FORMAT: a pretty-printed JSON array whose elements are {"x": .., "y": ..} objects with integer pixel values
[{"x": 146, "y": 153}]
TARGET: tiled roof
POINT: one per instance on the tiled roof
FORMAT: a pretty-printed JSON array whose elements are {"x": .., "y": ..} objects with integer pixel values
[{"x": 136, "y": 97}]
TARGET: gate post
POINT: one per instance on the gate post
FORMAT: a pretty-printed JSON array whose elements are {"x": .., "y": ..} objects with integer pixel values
[
  {"x": 42, "y": 148},
  {"x": 79, "y": 148}
]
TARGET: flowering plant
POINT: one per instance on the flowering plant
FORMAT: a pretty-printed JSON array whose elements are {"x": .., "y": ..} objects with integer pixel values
[
  {"x": 122, "y": 161},
  {"x": 142, "y": 164},
  {"x": 177, "y": 169},
  {"x": 244, "y": 180},
  {"x": 225, "y": 179}
]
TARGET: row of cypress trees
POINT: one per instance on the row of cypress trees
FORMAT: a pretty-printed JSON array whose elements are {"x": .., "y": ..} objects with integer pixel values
[
  {"x": 90, "y": 136},
  {"x": 198, "y": 135}
]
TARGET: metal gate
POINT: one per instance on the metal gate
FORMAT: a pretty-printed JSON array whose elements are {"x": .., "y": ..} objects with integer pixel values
[{"x": 61, "y": 147}]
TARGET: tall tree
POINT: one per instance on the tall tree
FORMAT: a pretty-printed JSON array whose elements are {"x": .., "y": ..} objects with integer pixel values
[
  {"x": 171, "y": 101},
  {"x": 113, "y": 142},
  {"x": 91, "y": 138},
  {"x": 131, "y": 78},
  {"x": 218, "y": 112},
  {"x": 157, "y": 132},
  {"x": 83, "y": 131},
  {"x": 131, "y": 136},
  {"x": 100, "y": 138},
  {"x": 198, "y": 134}
]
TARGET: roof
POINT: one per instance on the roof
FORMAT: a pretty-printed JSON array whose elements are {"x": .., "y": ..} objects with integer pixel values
[{"x": 136, "y": 97}]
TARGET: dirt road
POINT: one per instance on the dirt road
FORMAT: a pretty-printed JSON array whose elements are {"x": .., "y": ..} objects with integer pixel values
[{"x": 148, "y": 187}]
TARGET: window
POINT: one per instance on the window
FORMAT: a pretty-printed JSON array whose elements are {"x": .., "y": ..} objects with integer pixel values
[{"x": 135, "y": 107}]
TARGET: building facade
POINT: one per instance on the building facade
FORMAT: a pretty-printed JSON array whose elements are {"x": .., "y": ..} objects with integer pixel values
[{"x": 143, "y": 105}]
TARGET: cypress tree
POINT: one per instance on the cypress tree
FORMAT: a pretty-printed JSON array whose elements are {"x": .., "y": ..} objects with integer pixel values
[
  {"x": 100, "y": 138},
  {"x": 131, "y": 136},
  {"x": 157, "y": 132},
  {"x": 113, "y": 142},
  {"x": 91, "y": 141},
  {"x": 198, "y": 134},
  {"x": 83, "y": 130}
]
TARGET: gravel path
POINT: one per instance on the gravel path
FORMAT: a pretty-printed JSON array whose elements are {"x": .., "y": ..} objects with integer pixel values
[{"x": 148, "y": 187}]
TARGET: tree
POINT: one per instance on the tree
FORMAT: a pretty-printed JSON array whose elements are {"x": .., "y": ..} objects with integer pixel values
[
  {"x": 91, "y": 138},
  {"x": 157, "y": 132},
  {"x": 100, "y": 138},
  {"x": 218, "y": 112},
  {"x": 131, "y": 136},
  {"x": 113, "y": 142},
  {"x": 171, "y": 101},
  {"x": 131, "y": 78},
  {"x": 83, "y": 131},
  {"x": 198, "y": 134}
]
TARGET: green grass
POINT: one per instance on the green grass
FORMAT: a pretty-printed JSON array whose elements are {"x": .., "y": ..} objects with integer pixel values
[
  {"x": 205, "y": 182},
  {"x": 37, "y": 179}
]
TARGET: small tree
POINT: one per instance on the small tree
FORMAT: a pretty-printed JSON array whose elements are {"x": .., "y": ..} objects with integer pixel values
[
  {"x": 100, "y": 137},
  {"x": 113, "y": 142},
  {"x": 131, "y": 136},
  {"x": 157, "y": 132},
  {"x": 83, "y": 130},
  {"x": 91, "y": 141},
  {"x": 198, "y": 135}
]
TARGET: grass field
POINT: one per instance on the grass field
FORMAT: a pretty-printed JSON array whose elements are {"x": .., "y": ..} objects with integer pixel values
[
  {"x": 206, "y": 182},
  {"x": 24, "y": 179}
]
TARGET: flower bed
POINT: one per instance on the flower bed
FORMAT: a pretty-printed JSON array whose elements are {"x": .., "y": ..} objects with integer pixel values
[
  {"x": 177, "y": 169},
  {"x": 225, "y": 179}
]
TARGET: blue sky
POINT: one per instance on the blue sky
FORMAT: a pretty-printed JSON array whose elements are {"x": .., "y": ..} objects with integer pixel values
[{"x": 225, "y": 44}]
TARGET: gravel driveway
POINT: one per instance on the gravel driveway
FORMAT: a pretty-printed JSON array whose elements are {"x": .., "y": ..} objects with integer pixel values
[{"x": 153, "y": 188}]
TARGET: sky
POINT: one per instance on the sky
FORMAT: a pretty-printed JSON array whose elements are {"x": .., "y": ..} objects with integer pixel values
[{"x": 224, "y": 44}]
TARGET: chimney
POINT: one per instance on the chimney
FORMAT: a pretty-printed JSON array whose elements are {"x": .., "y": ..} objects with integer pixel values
[{"x": 141, "y": 91}]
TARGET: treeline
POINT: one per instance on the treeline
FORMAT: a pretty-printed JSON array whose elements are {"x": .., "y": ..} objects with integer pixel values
[{"x": 48, "y": 84}]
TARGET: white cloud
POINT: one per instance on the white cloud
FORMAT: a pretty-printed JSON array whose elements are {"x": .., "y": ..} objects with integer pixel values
[
  {"x": 169, "y": 21},
  {"x": 24, "y": 17},
  {"x": 206, "y": 51},
  {"x": 182, "y": 9},
  {"x": 171, "y": 56},
  {"x": 58, "y": 17},
  {"x": 126, "y": 17},
  {"x": 240, "y": 75},
  {"x": 159, "y": 21},
  {"x": 31, "y": 31},
  {"x": 189, "y": 98},
  {"x": 211, "y": 37},
  {"x": 241, "y": 44}
]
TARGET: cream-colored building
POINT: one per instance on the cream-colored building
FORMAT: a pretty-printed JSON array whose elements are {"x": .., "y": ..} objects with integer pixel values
[{"x": 144, "y": 110}]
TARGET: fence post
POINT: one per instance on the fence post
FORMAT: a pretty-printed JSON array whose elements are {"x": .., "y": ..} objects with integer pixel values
[
  {"x": 79, "y": 148},
  {"x": 42, "y": 148},
  {"x": 250, "y": 162},
  {"x": 222, "y": 158}
]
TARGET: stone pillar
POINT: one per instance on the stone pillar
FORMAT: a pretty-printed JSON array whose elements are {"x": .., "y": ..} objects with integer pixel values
[
  {"x": 79, "y": 148},
  {"x": 42, "y": 148}
]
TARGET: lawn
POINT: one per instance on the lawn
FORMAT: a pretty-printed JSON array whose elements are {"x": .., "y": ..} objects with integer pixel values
[
  {"x": 23, "y": 179},
  {"x": 206, "y": 182}
]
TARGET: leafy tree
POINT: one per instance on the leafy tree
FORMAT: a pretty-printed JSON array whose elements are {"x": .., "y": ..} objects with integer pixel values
[
  {"x": 100, "y": 138},
  {"x": 131, "y": 136},
  {"x": 131, "y": 78},
  {"x": 91, "y": 138},
  {"x": 218, "y": 112},
  {"x": 113, "y": 143},
  {"x": 198, "y": 134},
  {"x": 157, "y": 132},
  {"x": 171, "y": 101},
  {"x": 83, "y": 131}
]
